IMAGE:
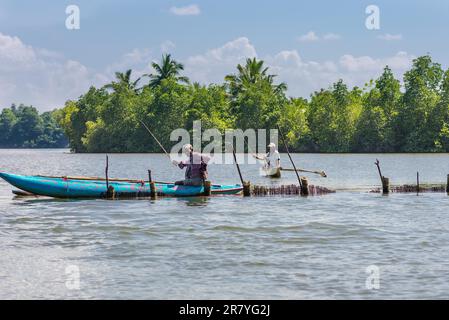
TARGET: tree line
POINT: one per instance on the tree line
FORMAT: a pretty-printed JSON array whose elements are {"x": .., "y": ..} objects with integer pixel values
[
  {"x": 382, "y": 116},
  {"x": 24, "y": 127}
]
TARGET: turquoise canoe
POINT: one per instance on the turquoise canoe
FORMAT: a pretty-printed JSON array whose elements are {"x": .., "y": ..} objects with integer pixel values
[{"x": 80, "y": 187}]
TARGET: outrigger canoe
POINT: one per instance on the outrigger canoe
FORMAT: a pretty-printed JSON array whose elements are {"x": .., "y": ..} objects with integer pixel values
[
  {"x": 83, "y": 187},
  {"x": 270, "y": 172}
]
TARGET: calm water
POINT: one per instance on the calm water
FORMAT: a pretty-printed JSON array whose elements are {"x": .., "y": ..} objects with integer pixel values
[{"x": 227, "y": 247}]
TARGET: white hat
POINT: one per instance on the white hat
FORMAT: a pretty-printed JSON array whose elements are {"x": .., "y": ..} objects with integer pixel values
[
  {"x": 271, "y": 145},
  {"x": 187, "y": 148}
]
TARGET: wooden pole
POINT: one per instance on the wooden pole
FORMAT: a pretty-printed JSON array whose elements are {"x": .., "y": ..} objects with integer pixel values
[
  {"x": 246, "y": 184},
  {"x": 304, "y": 186},
  {"x": 237, "y": 165},
  {"x": 106, "y": 172},
  {"x": 153, "y": 192},
  {"x": 246, "y": 189},
  {"x": 385, "y": 185},
  {"x": 385, "y": 181},
  {"x": 447, "y": 185},
  {"x": 417, "y": 182},
  {"x": 110, "y": 192},
  {"x": 290, "y": 157},
  {"x": 207, "y": 188},
  {"x": 321, "y": 173}
]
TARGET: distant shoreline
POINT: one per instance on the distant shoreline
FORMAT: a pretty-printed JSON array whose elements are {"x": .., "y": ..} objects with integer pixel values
[{"x": 281, "y": 151}]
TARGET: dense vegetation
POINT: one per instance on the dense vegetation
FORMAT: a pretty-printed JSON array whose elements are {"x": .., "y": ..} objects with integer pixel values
[
  {"x": 24, "y": 127},
  {"x": 383, "y": 116}
]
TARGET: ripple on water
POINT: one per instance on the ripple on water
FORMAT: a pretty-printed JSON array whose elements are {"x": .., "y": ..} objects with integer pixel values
[{"x": 226, "y": 247}]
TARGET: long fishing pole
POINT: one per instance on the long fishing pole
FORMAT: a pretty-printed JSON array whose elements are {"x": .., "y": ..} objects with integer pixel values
[{"x": 160, "y": 144}]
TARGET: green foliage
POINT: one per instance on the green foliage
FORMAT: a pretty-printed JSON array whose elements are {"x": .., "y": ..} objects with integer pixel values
[
  {"x": 383, "y": 117},
  {"x": 23, "y": 127},
  {"x": 167, "y": 69},
  {"x": 254, "y": 100}
]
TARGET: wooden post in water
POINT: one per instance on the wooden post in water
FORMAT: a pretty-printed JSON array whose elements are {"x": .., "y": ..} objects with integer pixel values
[
  {"x": 107, "y": 172},
  {"x": 207, "y": 188},
  {"x": 110, "y": 192},
  {"x": 447, "y": 185},
  {"x": 290, "y": 157},
  {"x": 385, "y": 181},
  {"x": 153, "y": 192},
  {"x": 417, "y": 182},
  {"x": 304, "y": 186},
  {"x": 246, "y": 184},
  {"x": 385, "y": 185},
  {"x": 246, "y": 189}
]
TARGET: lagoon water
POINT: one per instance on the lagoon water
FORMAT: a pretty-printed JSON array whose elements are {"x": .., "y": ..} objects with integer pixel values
[{"x": 290, "y": 247}]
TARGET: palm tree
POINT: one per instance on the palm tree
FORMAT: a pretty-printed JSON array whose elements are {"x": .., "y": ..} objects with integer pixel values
[
  {"x": 167, "y": 69},
  {"x": 123, "y": 81},
  {"x": 251, "y": 73}
]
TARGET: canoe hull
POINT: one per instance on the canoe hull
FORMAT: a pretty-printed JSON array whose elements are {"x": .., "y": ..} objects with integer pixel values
[
  {"x": 60, "y": 187},
  {"x": 270, "y": 172}
]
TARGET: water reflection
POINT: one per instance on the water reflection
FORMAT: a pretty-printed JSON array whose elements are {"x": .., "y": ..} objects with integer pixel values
[{"x": 194, "y": 201}]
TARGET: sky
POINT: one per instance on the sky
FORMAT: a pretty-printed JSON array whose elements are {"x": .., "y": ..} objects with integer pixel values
[{"x": 307, "y": 44}]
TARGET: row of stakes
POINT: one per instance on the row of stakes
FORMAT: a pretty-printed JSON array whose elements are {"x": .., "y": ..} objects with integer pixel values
[
  {"x": 406, "y": 188},
  {"x": 248, "y": 190},
  {"x": 304, "y": 189}
]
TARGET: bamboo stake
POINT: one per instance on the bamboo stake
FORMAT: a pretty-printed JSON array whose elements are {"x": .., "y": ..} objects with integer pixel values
[
  {"x": 385, "y": 181},
  {"x": 207, "y": 188},
  {"x": 417, "y": 182},
  {"x": 110, "y": 192},
  {"x": 106, "y": 173},
  {"x": 246, "y": 184},
  {"x": 288, "y": 152},
  {"x": 153, "y": 192},
  {"x": 447, "y": 185}
]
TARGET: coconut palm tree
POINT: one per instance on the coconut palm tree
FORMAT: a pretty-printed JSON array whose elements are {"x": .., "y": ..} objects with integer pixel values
[
  {"x": 123, "y": 81},
  {"x": 167, "y": 69},
  {"x": 252, "y": 72}
]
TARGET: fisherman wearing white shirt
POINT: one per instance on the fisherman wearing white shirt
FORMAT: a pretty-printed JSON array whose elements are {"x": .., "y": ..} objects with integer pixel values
[{"x": 272, "y": 158}]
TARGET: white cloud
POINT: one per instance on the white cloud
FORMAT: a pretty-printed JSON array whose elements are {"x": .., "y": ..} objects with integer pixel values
[
  {"x": 46, "y": 79},
  {"x": 167, "y": 46},
  {"x": 39, "y": 77},
  {"x": 331, "y": 36},
  {"x": 309, "y": 37},
  {"x": 302, "y": 77},
  {"x": 190, "y": 10},
  {"x": 401, "y": 60},
  {"x": 390, "y": 37},
  {"x": 213, "y": 65}
]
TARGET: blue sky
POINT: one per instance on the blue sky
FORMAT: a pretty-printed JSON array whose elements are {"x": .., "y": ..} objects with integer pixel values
[{"x": 309, "y": 44}]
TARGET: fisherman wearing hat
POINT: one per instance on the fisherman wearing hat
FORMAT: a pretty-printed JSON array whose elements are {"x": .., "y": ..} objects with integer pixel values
[
  {"x": 196, "y": 167},
  {"x": 272, "y": 158}
]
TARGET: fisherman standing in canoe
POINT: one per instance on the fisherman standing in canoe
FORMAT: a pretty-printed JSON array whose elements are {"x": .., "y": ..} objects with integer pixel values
[
  {"x": 272, "y": 165},
  {"x": 196, "y": 167}
]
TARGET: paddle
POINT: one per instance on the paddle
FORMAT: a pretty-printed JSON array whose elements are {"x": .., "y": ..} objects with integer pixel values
[
  {"x": 321, "y": 173},
  {"x": 290, "y": 157}
]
